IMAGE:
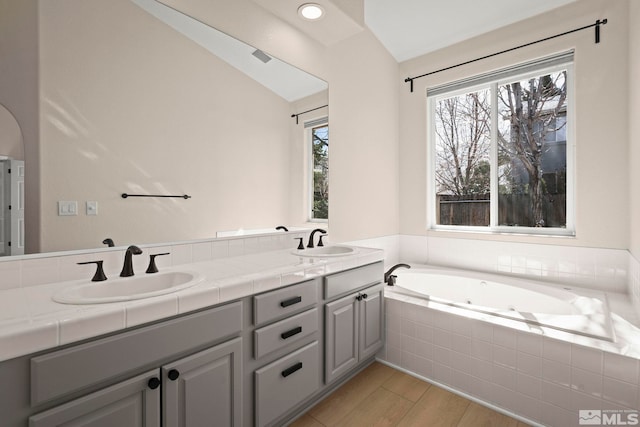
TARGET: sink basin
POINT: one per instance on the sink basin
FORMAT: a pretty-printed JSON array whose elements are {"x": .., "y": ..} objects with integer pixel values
[
  {"x": 326, "y": 251},
  {"x": 127, "y": 288}
]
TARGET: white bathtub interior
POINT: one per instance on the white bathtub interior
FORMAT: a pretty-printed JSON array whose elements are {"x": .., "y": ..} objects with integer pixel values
[{"x": 564, "y": 308}]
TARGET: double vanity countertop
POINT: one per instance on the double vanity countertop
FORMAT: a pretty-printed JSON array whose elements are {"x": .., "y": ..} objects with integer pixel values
[{"x": 30, "y": 320}]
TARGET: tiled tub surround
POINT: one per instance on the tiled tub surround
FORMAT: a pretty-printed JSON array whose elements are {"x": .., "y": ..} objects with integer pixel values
[
  {"x": 545, "y": 378},
  {"x": 543, "y": 375},
  {"x": 30, "y": 321},
  {"x": 634, "y": 284},
  {"x": 614, "y": 271}
]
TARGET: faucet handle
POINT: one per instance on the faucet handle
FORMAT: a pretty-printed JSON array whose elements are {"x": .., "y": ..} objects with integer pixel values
[
  {"x": 320, "y": 242},
  {"x": 99, "y": 275},
  {"x": 153, "y": 268},
  {"x": 300, "y": 245}
]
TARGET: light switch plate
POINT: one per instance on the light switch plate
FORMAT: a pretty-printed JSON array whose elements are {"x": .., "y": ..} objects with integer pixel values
[
  {"x": 92, "y": 208},
  {"x": 67, "y": 208}
]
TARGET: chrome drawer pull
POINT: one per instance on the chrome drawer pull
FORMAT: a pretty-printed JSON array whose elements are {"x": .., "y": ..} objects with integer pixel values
[
  {"x": 292, "y": 369},
  {"x": 291, "y": 333},
  {"x": 290, "y": 301}
]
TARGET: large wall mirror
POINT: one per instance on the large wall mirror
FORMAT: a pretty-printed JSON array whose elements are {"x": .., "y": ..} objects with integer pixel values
[{"x": 137, "y": 98}]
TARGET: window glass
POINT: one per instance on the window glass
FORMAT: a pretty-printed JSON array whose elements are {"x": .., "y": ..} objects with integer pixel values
[
  {"x": 532, "y": 156},
  {"x": 462, "y": 148},
  {"x": 320, "y": 172},
  {"x": 501, "y": 159}
]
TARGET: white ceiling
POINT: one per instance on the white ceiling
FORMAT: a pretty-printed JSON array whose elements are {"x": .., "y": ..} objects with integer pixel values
[
  {"x": 410, "y": 28},
  {"x": 407, "y": 28}
]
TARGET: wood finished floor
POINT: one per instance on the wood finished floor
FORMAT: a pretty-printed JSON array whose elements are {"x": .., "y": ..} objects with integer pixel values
[{"x": 383, "y": 396}]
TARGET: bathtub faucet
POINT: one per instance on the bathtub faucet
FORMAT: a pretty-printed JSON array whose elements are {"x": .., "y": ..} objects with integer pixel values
[{"x": 389, "y": 278}]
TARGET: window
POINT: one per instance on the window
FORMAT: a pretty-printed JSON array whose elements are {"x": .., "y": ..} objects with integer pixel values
[
  {"x": 318, "y": 131},
  {"x": 500, "y": 150}
]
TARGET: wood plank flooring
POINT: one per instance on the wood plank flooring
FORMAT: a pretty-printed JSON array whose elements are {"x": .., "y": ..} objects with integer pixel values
[{"x": 383, "y": 396}]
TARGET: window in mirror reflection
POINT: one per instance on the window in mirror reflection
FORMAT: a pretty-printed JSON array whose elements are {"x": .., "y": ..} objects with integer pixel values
[{"x": 319, "y": 172}]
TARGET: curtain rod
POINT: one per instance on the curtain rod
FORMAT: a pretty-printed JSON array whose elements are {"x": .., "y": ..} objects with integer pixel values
[
  {"x": 597, "y": 35},
  {"x": 308, "y": 111}
]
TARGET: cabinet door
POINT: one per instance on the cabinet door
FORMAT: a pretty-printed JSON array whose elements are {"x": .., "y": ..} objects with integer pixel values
[
  {"x": 371, "y": 322},
  {"x": 204, "y": 388},
  {"x": 131, "y": 403},
  {"x": 341, "y": 333}
]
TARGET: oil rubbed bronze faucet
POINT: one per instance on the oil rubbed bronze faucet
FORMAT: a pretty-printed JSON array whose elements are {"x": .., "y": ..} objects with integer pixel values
[
  {"x": 127, "y": 268},
  {"x": 389, "y": 278},
  {"x": 313, "y": 233}
]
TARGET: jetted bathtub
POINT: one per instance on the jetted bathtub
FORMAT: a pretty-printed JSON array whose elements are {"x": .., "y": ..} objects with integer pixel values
[{"x": 565, "y": 308}]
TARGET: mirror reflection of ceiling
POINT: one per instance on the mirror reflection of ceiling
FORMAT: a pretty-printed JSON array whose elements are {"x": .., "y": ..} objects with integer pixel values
[
  {"x": 283, "y": 79},
  {"x": 410, "y": 28}
]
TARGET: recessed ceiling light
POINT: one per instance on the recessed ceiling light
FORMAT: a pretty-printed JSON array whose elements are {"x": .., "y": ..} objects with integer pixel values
[{"x": 311, "y": 11}]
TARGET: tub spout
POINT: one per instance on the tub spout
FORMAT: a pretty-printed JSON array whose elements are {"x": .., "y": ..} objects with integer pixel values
[{"x": 389, "y": 278}]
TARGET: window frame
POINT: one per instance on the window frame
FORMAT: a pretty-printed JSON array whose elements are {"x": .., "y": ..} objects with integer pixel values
[
  {"x": 309, "y": 126},
  {"x": 493, "y": 227}
]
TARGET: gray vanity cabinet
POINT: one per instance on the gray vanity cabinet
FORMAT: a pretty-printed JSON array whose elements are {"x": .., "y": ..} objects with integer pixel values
[
  {"x": 371, "y": 319},
  {"x": 201, "y": 389},
  {"x": 204, "y": 389},
  {"x": 182, "y": 372},
  {"x": 129, "y": 403},
  {"x": 353, "y": 330}
]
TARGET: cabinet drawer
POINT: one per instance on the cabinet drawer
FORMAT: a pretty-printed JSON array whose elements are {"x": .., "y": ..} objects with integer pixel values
[
  {"x": 347, "y": 281},
  {"x": 286, "y": 382},
  {"x": 284, "y": 332},
  {"x": 282, "y": 302},
  {"x": 98, "y": 361}
]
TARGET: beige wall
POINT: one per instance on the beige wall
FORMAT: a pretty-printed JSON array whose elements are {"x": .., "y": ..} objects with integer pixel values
[
  {"x": 601, "y": 137},
  {"x": 130, "y": 105},
  {"x": 19, "y": 94},
  {"x": 363, "y": 158},
  {"x": 634, "y": 125}
]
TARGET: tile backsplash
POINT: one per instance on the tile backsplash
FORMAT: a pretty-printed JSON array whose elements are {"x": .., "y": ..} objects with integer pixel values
[
  {"x": 610, "y": 270},
  {"x": 596, "y": 268},
  {"x": 634, "y": 283},
  {"x": 33, "y": 270}
]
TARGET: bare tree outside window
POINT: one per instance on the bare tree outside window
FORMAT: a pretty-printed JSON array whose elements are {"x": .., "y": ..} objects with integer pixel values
[
  {"x": 320, "y": 148},
  {"x": 463, "y": 143},
  {"x": 532, "y": 159}
]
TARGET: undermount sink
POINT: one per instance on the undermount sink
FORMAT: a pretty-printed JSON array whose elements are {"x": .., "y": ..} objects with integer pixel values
[
  {"x": 127, "y": 288},
  {"x": 326, "y": 251}
]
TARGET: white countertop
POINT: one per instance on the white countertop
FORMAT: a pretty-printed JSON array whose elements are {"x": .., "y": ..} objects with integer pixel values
[{"x": 31, "y": 321}]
